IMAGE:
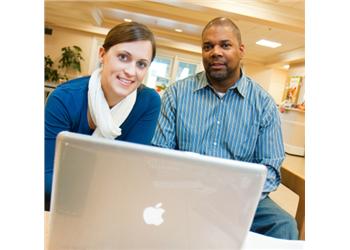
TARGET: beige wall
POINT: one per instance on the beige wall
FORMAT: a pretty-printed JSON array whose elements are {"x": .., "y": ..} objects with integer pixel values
[
  {"x": 297, "y": 70},
  {"x": 65, "y": 37},
  {"x": 259, "y": 73},
  {"x": 277, "y": 83},
  {"x": 272, "y": 80}
]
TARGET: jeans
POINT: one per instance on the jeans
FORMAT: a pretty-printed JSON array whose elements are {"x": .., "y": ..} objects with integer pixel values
[{"x": 271, "y": 220}]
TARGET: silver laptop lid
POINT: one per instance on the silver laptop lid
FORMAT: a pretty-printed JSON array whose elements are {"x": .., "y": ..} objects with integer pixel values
[{"x": 118, "y": 195}]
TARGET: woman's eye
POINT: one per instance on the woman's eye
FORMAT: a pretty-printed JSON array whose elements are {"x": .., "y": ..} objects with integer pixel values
[
  {"x": 123, "y": 57},
  {"x": 141, "y": 65}
]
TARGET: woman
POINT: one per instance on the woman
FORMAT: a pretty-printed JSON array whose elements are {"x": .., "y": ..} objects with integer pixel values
[{"x": 111, "y": 103}]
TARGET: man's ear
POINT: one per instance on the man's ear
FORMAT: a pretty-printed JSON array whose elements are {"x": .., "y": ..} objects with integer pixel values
[
  {"x": 101, "y": 53},
  {"x": 241, "y": 50}
]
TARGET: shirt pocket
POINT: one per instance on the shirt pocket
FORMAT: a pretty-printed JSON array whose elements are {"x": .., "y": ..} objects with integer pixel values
[{"x": 245, "y": 140}]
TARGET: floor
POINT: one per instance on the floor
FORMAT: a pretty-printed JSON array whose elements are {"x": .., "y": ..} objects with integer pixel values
[{"x": 287, "y": 199}]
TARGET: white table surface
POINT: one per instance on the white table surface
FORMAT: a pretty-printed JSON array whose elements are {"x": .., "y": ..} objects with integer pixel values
[{"x": 258, "y": 241}]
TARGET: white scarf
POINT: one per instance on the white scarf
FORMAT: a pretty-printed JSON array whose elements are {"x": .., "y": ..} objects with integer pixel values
[{"x": 107, "y": 120}]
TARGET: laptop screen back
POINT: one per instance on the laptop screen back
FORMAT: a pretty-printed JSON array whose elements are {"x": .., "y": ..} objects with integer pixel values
[{"x": 118, "y": 195}]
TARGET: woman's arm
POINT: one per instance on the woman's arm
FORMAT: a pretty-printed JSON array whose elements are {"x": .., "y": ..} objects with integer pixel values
[{"x": 57, "y": 119}]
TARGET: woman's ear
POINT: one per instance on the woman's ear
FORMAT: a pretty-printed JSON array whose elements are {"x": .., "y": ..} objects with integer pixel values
[{"x": 101, "y": 53}]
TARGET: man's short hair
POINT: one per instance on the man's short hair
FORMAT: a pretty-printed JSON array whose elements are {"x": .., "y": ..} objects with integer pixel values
[{"x": 224, "y": 21}]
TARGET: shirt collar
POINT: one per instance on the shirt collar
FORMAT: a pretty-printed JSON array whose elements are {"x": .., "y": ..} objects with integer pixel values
[
  {"x": 202, "y": 81},
  {"x": 240, "y": 85}
]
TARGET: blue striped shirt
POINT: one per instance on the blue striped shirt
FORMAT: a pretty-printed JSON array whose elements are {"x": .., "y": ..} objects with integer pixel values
[{"x": 243, "y": 124}]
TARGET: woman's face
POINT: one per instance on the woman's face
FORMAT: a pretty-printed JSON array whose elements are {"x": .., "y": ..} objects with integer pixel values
[{"x": 124, "y": 66}]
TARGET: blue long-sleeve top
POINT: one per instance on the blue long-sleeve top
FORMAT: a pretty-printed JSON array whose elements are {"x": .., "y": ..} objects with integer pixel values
[{"x": 66, "y": 110}]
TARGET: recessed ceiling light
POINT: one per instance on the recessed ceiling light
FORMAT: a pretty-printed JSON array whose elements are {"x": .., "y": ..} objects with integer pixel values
[
  {"x": 268, "y": 43},
  {"x": 286, "y": 66},
  {"x": 127, "y": 20},
  {"x": 178, "y": 30}
]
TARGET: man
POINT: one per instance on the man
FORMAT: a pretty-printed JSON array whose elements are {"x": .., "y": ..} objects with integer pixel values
[{"x": 221, "y": 112}]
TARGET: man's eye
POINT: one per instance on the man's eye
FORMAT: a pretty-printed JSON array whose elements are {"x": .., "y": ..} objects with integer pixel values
[
  {"x": 206, "y": 47},
  {"x": 141, "y": 65},
  {"x": 226, "y": 45},
  {"x": 123, "y": 57}
]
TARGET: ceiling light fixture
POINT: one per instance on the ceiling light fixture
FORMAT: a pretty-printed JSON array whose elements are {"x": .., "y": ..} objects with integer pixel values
[
  {"x": 268, "y": 43},
  {"x": 178, "y": 30},
  {"x": 286, "y": 66},
  {"x": 127, "y": 20}
]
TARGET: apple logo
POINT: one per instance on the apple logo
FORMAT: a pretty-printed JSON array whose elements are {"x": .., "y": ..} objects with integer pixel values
[{"x": 153, "y": 215}]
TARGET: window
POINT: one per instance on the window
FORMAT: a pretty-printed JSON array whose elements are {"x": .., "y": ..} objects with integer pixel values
[
  {"x": 169, "y": 66},
  {"x": 184, "y": 70},
  {"x": 159, "y": 73},
  {"x": 97, "y": 42}
]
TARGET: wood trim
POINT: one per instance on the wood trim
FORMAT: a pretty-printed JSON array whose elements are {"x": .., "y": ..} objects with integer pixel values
[{"x": 297, "y": 184}]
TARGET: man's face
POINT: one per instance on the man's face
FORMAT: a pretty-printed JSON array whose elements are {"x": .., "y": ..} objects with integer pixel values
[{"x": 221, "y": 54}]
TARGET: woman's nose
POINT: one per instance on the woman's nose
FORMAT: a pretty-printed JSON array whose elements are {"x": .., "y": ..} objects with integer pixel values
[{"x": 130, "y": 69}]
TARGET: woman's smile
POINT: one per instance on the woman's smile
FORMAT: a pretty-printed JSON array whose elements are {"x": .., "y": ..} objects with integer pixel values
[{"x": 125, "y": 81}]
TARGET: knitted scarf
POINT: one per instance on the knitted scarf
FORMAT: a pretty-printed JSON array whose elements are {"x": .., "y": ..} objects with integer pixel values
[{"x": 107, "y": 121}]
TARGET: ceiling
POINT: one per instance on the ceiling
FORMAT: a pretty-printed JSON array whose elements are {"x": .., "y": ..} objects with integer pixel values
[{"x": 277, "y": 20}]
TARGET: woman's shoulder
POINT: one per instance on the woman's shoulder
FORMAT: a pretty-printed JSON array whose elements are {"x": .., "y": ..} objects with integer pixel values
[
  {"x": 75, "y": 84},
  {"x": 72, "y": 88},
  {"x": 72, "y": 95},
  {"x": 147, "y": 93},
  {"x": 69, "y": 98}
]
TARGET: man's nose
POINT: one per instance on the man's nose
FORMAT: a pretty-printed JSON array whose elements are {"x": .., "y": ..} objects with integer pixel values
[{"x": 216, "y": 51}]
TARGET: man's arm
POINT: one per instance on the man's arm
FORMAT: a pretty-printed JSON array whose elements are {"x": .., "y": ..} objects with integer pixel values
[
  {"x": 165, "y": 134},
  {"x": 269, "y": 149}
]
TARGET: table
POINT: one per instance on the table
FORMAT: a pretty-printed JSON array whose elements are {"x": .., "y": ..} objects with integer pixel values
[
  {"x": 293, "y": 177},
  {"x": 258, "y": 241}
]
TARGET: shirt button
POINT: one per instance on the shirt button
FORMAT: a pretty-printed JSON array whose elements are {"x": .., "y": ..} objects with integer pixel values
[
  {"x": 218, "y": 122},
  {"x": 214, "y": 143}
]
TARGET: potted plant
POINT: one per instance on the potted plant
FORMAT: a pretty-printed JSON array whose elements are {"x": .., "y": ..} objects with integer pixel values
[
  {"x": 69, "y": 65},
  {"x": 70, "y": 61},
  {"x": 51, "y": 74}
]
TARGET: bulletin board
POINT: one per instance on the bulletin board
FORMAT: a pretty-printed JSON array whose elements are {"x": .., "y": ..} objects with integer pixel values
[{"x": 292, "y": 89}]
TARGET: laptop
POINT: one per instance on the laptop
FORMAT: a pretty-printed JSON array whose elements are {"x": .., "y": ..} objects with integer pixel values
[{"x": 111, "y": 194}]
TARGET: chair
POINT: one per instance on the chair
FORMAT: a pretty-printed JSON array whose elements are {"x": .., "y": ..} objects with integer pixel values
[{"x": 297, "y": 184}]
